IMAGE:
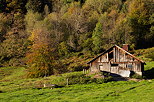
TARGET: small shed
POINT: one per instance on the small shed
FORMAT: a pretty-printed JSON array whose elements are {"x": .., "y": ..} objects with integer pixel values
[{"x": 117, "y": 60}]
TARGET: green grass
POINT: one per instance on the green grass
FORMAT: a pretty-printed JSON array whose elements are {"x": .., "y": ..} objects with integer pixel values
[
  {"x": 145, "y": 54},
  {"x": 149, "y": 65},
  {"x": 149, "y": 70},
  {"x": 14, "y": 87},
  {"x": 19, "y": 89},
  {"x": 107, "y": 92}
]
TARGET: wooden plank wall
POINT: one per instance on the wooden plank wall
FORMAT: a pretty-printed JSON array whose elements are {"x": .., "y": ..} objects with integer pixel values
[{"x": 120, "y": 57}]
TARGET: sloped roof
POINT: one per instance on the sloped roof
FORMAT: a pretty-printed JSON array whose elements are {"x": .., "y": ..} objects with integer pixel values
[{"x": 118, "y": 48}]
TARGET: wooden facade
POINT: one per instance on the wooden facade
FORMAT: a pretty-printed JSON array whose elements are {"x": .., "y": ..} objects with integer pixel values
[{"x": 117, "y": 60}]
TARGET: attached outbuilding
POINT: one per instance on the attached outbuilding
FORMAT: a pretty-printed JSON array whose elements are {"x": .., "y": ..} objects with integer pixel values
[{"x": 117, "y": 60}]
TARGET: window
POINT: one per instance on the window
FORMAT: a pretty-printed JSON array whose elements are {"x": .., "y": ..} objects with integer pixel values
[
  {"x": 129, "y": 66},
  {"x": 114, "y": 65},
  {"x": 110, "y": 55}
]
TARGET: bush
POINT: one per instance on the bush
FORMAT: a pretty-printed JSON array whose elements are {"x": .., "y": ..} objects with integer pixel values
[
  {"x": 146, "y": 53},
  {"x": 149, "y": 73},
  {"x": 136, "y": 76},
  {"x": 80, "y": 78},
  {"x": 150, "y": 55},
  {"x": 76, "y": 78},
  {"x": 98, "y": 81},
  {"x": 101, "y": 80}
]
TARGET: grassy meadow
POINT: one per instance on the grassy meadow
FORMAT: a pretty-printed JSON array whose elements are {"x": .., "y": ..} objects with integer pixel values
[
  {"x": 111, "y": 92},
  {"x": 15, "y": 87}
]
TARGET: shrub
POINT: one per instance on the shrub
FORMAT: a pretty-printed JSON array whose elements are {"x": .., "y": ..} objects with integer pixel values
[
  {"x": 150, "y": 72},
  {"x": 146, "y": 53},
  {"x": 76, "y": 78},
  {"x": 80, "y": 78},
  {"x": 150, "y": 55},
  {"x": 136, "y": 76}
]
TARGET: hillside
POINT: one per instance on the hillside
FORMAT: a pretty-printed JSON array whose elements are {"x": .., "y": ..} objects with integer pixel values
[
  {"x": 50, "y": 36},
  {"x": 15, "y": 87},
  {"x": 51, "y": 41},
  {"x": 111, "y": 92}
]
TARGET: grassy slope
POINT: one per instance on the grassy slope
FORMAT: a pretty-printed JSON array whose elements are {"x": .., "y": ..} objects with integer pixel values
[
  {"x": 15, "y": 88},
  {"x": 149, "y": 65},
  {"x": 113, "y": 91}
]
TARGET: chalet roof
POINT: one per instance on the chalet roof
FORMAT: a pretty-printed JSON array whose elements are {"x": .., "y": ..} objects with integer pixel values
[{"x": 118, "y": 48}]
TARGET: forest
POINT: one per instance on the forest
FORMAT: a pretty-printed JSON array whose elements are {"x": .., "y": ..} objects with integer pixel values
[{"x": 57, "y": 36}]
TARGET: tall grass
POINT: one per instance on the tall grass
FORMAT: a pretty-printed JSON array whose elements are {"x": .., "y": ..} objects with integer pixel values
[{"x": 107, "y": 92}]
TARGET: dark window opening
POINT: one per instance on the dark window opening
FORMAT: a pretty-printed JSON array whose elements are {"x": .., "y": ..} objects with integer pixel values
[
  {"x": 112, "y": 65},
  {"x": 110, "y": 55},
  {"x": 129, "y": 66}
]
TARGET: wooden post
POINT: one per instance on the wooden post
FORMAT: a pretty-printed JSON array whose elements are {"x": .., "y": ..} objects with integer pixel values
[
  {"x": 114, "y": 54},
  {"x": 90, "y": 67},
  {"x": 107, "y": 57},
  {"x": 124, "y": 57},
  {"x": 109, "y": 65},
  {"x": 67, "y": 81},
  {"x": 119, "y": 55}
]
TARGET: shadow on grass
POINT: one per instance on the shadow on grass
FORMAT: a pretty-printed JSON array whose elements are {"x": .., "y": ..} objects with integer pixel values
[
  {"x": 1, "y": 91},
  {"x": 149, "y": 74},
  {"x": 115, "y": 77},
  {"x": 57, "y": 86}
]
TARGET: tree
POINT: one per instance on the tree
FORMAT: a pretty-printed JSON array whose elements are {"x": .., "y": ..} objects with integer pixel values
[
  {"x": 31, "y": 19},
  {"x": 35, "y": 5},
  {"x": 5, "y": 23},
  {"x": 42, "y": 58},
  {"x": 13, "y": 40},
  {"x": 76, "y": 25},
  {"x": 138, "y": 19},
  {"x": 15, "y": 5},
  {"x": 2, "y": 6},
  {"x": 97, "y": 37},
  {"x": 63, "y": 49}
]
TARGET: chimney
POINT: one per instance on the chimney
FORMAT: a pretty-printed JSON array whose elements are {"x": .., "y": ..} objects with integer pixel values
[{"x": 125, "y": 47}]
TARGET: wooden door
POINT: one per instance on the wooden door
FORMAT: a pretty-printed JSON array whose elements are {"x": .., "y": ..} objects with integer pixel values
[
  {"x": 103, "y": 68},
  {"x": 114, "y": 69}
]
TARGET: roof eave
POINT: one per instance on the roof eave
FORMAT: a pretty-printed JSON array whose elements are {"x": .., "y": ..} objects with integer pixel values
[
  {"x": 119, "y": 48},
  {"x": 99, "y": 55}
]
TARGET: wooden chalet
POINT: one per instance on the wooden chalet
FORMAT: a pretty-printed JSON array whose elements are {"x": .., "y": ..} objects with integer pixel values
[{"x": 117, "y": 60}]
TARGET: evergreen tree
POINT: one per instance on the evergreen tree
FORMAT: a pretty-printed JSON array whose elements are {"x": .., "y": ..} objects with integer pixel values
[
  {"x": 35, "y": 5},
  {"x": 138, "y": 20},
  {"x": 97, "y": 37}
]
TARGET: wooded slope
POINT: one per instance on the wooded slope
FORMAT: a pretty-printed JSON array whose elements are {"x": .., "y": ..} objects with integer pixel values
[{"x": 42, "y": 33}]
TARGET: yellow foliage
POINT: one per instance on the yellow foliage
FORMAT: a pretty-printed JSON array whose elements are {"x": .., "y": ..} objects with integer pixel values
[
  {"x": 32, "y": 36},
  {"x": 93, "y": 16},
  {"x": 136, "y": 6},
  {"x": 53, "y": 16},
  {"x": 12, "y": 3}
]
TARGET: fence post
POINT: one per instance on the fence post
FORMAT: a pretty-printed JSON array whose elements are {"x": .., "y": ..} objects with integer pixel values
[
  {"x": 67, "y": 82},
  {"x": 83, "y": 71}
]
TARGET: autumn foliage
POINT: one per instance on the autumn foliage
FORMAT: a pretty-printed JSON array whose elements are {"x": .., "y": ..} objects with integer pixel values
[{"x": 49, "y": 36}]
